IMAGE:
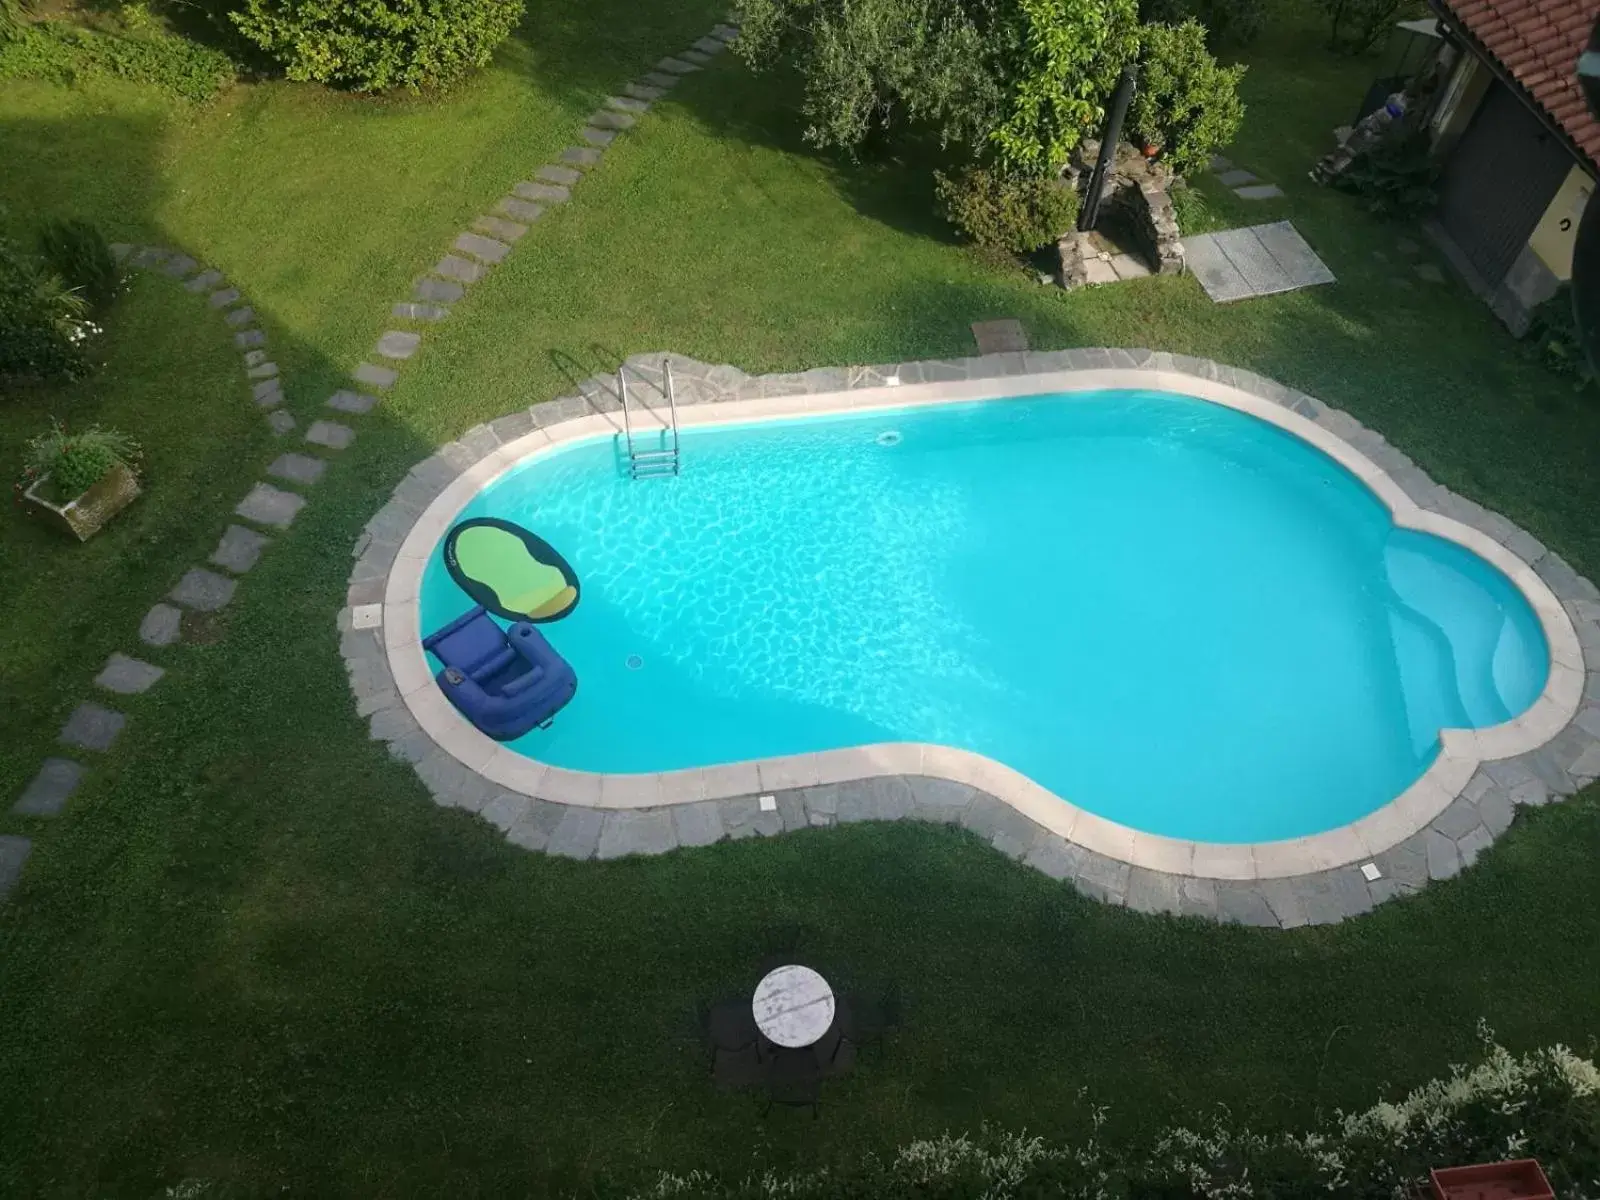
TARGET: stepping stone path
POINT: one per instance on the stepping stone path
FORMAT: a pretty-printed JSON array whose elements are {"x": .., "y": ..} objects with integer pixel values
[
  {"x": 1260, "y": 260},
  {"x": 474, "y": 253},
  {"x": 1243, "y": 183}
]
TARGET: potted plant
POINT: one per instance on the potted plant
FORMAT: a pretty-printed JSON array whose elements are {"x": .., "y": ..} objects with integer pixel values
[
  {"x": 79, "y": 481},
  {"x": 1520, "y": 1179}
]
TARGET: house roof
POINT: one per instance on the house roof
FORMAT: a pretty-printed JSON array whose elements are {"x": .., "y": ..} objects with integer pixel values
[{"x": 1538, "y": 42}]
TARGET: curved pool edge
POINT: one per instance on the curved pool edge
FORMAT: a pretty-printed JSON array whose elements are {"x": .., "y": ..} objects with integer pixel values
[{"x": 1441, "y": 822}]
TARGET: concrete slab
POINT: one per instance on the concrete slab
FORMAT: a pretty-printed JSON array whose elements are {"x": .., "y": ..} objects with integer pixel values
[
  {"x": 999, "y": 337},
  {"x": 1216, "y": 273},
  {"x": 1258, "y": 260}
]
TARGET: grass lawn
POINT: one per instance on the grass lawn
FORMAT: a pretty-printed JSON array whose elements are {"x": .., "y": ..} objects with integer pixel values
[{"x": 253, "y": 952}]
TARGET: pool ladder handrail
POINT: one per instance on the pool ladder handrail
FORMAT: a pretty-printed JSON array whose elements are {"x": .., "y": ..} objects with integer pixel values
[{"x": 651, "y": 464}]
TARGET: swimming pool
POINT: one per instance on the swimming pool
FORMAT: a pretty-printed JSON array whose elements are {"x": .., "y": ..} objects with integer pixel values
[{"x": 1179, "y": 617}]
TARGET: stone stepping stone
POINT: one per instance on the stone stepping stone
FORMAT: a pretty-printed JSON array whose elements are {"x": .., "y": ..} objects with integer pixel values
[
  {"x": 375, "y": 376},
  {"x": 479, "y": 246},
  {"x": 660, "y": 79},
  {"x": 180, "y": 266},
  {"x": 399, "y": 344},
  {"x": 120, "y": 250},
  {"x": 92, "y": 727},
  {"x": 1236, "y": 178},
  {"x": 203, "y": 590},
  {"x": 549, "y": 193},
  {"x": 209, "y": 278},
  {"x": 1291, "y": 251},
  {"x": 440, "y": 291},
  {"x": 710, "y": 45},
  {"x": 127, "y": 676},
  {"x": 564, "y": 176},
  {"x": 643, "y": 91},
  {"x": 1128, "y": 267},
  {"x": 240, "y": 549},
  {"x": 675, "y": 66},
  {"x": 1429, "y": 273},
  {"x": 249, "y": 339},
  {"x": 14, "y": 853},
  {"x": 598, "y": 137},
  {"x": 151, "y": 256},
  {"x": 1407, "y": 247},
  {"x": 499, "y": 227},
  {"x": 266, "y": 370},
  {"x": 1220, "y": 163},
  {"x": 347, "y": 401},
  {"x": 298, "y": 468},
  {"x": 268, "y": 393},
  {"x": 522, "y": 210},
  {"x": 225, "y": 297},
  {"x": 726, "y": 32},
  {"x": 581, "y": 156},
  {"x": 254, "y": 358},
  {"x": 160, "y": 626},
  {"x": 330, "y": 434},
  {"x": 627, "y": 104},
  {"x": 698, "y": 57},
  {"x": 267, "y": 505},
  {"x": 1000, "y": 337},
  {"x": 609, "y": 119},
  {"x": 240, "y": 316},
  {"x": 1260, "y": 191},
  {"x": 419, "y": 312},
  {"x": 47, "y": 795},
  {"x": 462, "y": 270},
  {"x": 280, "y": 422}
]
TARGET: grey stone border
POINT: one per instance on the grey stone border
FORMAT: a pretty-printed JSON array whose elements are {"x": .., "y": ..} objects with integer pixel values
[{"x": 1439, "y": 825}]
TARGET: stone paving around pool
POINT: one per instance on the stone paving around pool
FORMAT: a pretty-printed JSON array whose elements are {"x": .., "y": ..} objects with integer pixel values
[{"x": 778, "y": 796}]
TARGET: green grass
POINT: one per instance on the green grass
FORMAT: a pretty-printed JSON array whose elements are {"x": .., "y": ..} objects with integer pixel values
[{"x": 252, "y": 951}]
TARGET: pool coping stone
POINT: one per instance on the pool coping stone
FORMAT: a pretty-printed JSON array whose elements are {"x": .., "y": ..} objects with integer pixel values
[{"x": 1440, "y": 823}]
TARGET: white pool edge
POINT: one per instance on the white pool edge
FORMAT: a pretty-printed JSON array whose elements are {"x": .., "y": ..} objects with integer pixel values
[{"x": 1463, "y": 750}]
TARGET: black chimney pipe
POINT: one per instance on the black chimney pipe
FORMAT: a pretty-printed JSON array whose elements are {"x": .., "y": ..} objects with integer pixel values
[{"x": 1089, "y": 213}]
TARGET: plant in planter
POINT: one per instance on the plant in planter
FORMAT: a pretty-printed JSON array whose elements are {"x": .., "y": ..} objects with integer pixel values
[{"x": 79, "y": 481}]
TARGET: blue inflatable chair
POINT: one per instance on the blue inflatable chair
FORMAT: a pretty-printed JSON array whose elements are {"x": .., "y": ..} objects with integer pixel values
[{"x": 505, "y": 682}]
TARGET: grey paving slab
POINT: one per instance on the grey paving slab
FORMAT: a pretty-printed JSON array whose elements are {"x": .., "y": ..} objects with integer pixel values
[
  {"x": 1236, "y": 177},
  {"x": 1198, "y": 898},
  {"x": 577, "y": 833},
  {"x": 1000, "y": 337},
  {"x": 1444, "y": 860},
  {"x": 1129, "y": 267},
  {"x": 1254, "y": 261},
  {"x": 47, "y": 794},
  {"x": 330, "y": 434},
  {"x": 544, "y": 193},
  {"x": 14, "y": 853},
  {"x": 1294, "y": 254},
  {"x": 709, "y": 45},
  {"x": 262, "y": 370},
  {"x": 179, "y": 266},
  {"x": 268, "y": 393},
  {"x": 240, "y": 317},
  {"x": 411, "y": 311},
  {"x": 598, "y": 137},
  {"x": 1243, "y": 904},
  {"x": 438, "y": 291},
  {"x": 280, "y": 422},
  {"x": 698, "y": 57},
  {"x": 490, "y": 250},
  {"x": 643, "y": 91},
  {"x": 240, "y": 549},
  {"x": 254, "y": 358},
  {"x": 1259, "y": 191},
  {"x": 522, "y": 210},
  {"x": 581, "y": 156},
  {"x": 373, "y": 375},
  {"x": 499, "y": 227},
  {"x": 151, "y": 256},
  {"x": 223, "y": 297},
  {"x": 249, "y": 338},
  {"x": 560, "y": 176},
  {"x": 610, "y": 118},
  {"x": 267, "y": 505},
  {"x": 92, "y": 727},
  {"x": 347, "y": 401},
  {"x": 1154, "y": 892},
  {"x": 298, "y": 468},
  {"x": 533, "y": 826},
  {"x": 203, "y": 590},
  {"x": 402, "y": 344},
  {"x": 206, "y": 280},
  {"x": 1221, "y": 280},
  {"x": 160, "y": 626},
  {"x": 636, "y": 831},
  {"x": 462, "y": 270},
  {"x": 128, "y": 676},
  {"x": 698, "y": 824},
  {"x": 1220, "y": 163}
]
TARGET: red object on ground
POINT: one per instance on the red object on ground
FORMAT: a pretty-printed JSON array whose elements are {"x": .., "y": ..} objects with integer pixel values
[{"x": 1521, "y": 1179}]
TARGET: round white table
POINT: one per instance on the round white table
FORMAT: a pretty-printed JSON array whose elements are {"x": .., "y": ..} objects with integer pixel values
[{"x": 793, "y": 1006}]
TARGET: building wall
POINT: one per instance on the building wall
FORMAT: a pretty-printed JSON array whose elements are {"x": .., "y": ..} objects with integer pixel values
[{"x": 1462, "y": 94}]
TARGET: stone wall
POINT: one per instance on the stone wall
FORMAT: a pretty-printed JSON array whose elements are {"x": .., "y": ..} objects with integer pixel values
[{"x": 1136, "y": 192}]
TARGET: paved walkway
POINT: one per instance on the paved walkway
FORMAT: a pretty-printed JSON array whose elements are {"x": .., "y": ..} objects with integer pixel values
[
  {"x": 1260, "y": 260},
  {"x": 1242, "y": 183}
]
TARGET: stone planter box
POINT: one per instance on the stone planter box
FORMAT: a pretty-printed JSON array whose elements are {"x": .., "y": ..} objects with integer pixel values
[
  {"x": 83, "y": 517},
  {"x": 1521, "y": 1179}
]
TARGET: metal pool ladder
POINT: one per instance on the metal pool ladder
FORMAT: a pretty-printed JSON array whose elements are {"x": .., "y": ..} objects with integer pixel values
[{"x": 660, "y": 462}]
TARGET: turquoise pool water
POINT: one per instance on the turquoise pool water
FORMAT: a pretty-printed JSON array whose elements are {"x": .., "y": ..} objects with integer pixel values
[{"x": 1175, "y": 615}]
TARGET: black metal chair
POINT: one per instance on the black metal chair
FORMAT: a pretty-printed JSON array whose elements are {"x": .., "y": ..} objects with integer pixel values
[
  {"x": 794, "y": 1080},
  {"x": 866, "y": 1021},
  {"x": 730, "y": 1027}
]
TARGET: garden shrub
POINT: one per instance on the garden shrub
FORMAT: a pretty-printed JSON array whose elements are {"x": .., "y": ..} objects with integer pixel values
[
  {"x": 1192, "y": 210},
  {"x": 56, "y": 52},
  {"x": 1553, "y": 332},
  {"x": 43, "y": 329},
  {"x": 1543, "y": 1105},
  {"x": 1227, "y": 22},
  {"x": 1007, "y": 214},
  {"x": 75, "y": 462},
  {"x": 1356, "y": 25},
  {"x": 1187, "y": 103},
  {"x": 78, "y": 253},
  {"x": 374, "y": 45},
  {"x": 1398, "y": 177}
]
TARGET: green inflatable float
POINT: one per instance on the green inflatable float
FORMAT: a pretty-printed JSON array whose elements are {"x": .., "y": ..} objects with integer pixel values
[{"x": 514, "y": 574}]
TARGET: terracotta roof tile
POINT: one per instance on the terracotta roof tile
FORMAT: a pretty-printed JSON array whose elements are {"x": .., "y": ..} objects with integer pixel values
[{"x": 1539, "y": 41}]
